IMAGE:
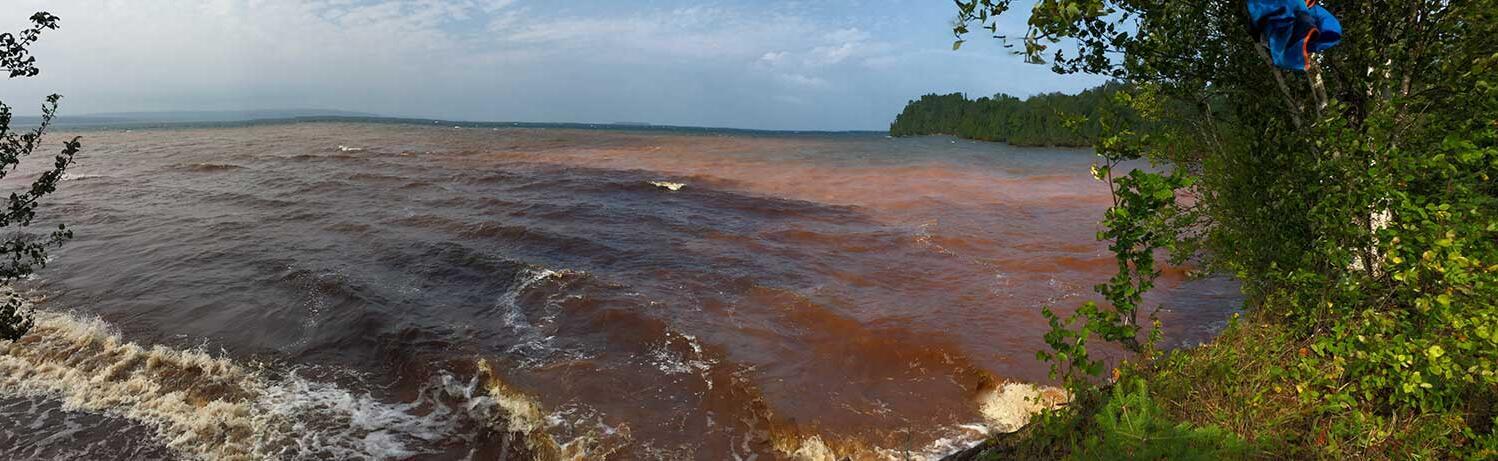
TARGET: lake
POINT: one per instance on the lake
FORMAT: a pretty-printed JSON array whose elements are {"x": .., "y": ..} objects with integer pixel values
[{"x": 407, "y": 291}]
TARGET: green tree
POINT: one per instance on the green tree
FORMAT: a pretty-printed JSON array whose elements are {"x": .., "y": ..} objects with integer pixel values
[
  {"x": 23, "y": 252},
  {"x": 1355, "y": 200},
  {"x": 1050, "y": 119}
]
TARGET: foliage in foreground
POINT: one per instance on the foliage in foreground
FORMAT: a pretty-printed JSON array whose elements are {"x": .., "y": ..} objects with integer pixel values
[
  {"x": 1356, "y": 202},
  {"x": 22, "y": 252},
  {"x": 1133, "y": 425},
  {"x": 1245, "y": 382},
  {"x": 1234, "y": 398},
  {"x": 1124, "y": 422}
]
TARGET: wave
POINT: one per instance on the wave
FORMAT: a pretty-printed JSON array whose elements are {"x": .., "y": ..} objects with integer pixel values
[
  {"x": 1009, "y": 407},
  {"x": 81, "y": 177},
  {"x": 207, "y": 167},
  {"x": 210, "y": 407},
  {"x": 522, "y": 415},
  {"x": 667, "y": 185},
  {"x": 1005, "y": 408},
  {"x": 715, "y": 390},
  {"x": 37, "y": 428},
  {"x": 308, "y": 157},
  {"x": 705, "y": 386},
  {"x": 401, "y": 181}
]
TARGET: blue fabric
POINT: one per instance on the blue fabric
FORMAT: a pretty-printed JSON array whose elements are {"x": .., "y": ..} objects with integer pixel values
[{"x": 1294, "y": 29}]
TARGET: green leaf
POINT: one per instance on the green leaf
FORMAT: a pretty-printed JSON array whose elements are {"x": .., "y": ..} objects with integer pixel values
[{"x": 1435, "y": 352}]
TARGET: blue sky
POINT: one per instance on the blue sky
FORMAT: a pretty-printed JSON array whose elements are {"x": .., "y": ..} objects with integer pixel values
[{"x": 829, "y": 64}]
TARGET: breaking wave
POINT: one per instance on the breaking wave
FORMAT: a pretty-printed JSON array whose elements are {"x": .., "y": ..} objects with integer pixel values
[
  {"x": 209, "y": 407},
  {"x": 81, "y": 177}
]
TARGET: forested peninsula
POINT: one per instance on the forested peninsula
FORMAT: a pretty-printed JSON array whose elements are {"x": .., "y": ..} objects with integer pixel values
[{"x": 1047, "y": 119}]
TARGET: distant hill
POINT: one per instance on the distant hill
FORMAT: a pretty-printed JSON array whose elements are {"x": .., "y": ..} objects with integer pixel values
[{"x": 131, "y": 118}]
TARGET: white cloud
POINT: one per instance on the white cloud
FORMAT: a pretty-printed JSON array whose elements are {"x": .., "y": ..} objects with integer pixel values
[
  {"x": 732, "y": 64},
  {"x": 812, "y": 63}
]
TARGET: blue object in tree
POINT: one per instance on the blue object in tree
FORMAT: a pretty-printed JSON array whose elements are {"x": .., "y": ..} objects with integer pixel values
[{"x": 1294, "y": 29}]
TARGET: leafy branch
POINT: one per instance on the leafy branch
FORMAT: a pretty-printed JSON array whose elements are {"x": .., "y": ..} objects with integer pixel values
[{"x": 21, "y": 252}]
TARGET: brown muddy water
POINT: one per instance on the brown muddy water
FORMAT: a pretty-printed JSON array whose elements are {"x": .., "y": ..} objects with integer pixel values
[{"x": 399, "y": 291}]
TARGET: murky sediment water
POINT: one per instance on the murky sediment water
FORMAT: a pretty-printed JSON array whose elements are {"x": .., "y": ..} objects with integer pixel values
[{"x": 382, "y": 291}]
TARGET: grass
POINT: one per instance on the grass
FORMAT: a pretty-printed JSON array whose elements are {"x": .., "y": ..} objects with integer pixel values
[{"x": 1232, "y": 399}]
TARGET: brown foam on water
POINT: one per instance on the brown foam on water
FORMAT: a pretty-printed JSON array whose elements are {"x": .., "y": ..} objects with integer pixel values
[
  {"x": 204, "y": 411},
  {"x": 213, "y": 408},
  {"x": 1009, "y": 407},
  {"x": 522, "y": 415}
]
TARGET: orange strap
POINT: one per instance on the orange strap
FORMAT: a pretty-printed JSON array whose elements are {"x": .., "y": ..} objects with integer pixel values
[{"x": 1305, "y": 47}]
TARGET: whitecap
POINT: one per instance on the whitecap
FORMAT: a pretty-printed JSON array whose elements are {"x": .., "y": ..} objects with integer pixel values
[
  {"x": 667, "y": 185},
  {"x": 209, "y": 407},
  {"x": 76, "y": 177}
]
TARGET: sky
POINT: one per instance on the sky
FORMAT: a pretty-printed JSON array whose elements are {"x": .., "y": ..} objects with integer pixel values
[{"x": 790, "y": 65}]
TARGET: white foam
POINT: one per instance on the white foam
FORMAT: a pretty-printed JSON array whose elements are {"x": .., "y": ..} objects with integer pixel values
[
  {"x": 1005, "y": 408},
  {"x": 76, "y": 177},
  {"x": 1009, "y": 407},
  {"x": 304, "y": 419},
  {"x": 516, "y": 412},
  {"x": 813, "y": 449},
  {"x": 534, "y": 341},
  {"x": 207, "y": 407},
  {"x": 667, "y": 185}
]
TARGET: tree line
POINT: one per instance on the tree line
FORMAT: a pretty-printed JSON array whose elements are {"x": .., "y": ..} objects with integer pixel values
[{"x": 1047, "y": 119}]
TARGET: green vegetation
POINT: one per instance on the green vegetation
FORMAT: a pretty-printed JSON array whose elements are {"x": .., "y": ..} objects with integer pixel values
[
  {"x": 1233, "y": 398},
  {"x": 1051, "y": 119},
  {"x": 22, "y": 252},
  {"x": 1355, "y": 201}
]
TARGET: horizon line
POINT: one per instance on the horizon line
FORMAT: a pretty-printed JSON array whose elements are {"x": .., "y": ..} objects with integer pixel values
[{"x": 119, "y": 121}]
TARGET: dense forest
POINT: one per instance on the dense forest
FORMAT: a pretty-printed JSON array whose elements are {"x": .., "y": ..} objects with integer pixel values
[{"x": 1048, "y": 119}]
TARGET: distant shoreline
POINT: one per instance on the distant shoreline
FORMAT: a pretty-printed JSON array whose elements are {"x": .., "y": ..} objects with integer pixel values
[{"x": 62, "y": 123}]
